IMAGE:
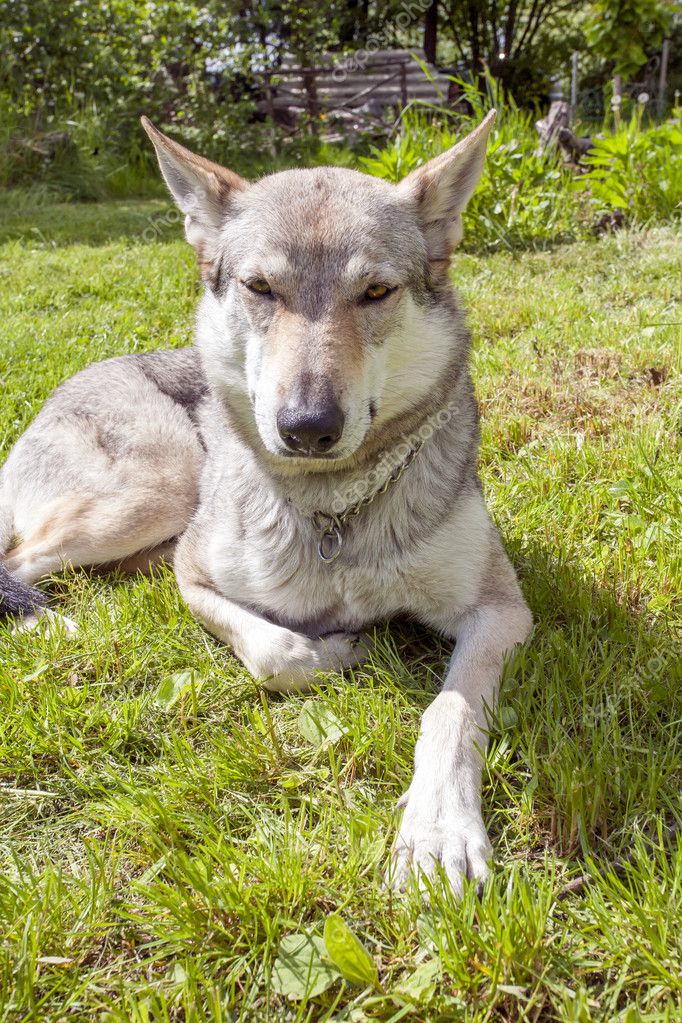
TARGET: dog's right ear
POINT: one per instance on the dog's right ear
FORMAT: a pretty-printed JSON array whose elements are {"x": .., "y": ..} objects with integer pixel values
[{"x": 203, "y": 190}]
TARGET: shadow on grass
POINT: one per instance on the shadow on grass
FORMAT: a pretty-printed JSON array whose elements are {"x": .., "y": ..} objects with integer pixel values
[
  {"x": 588, "y": 720},
  {"x": 42, "y": 222},
  {"x": 586, "y": 744}
]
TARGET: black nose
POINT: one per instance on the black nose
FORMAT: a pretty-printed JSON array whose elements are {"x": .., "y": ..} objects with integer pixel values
[{"x": 311, "y": 431}]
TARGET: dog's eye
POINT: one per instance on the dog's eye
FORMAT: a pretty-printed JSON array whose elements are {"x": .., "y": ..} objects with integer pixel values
[
  {"x": 259, "y": 285},
  {"x": 377, "y": 291}
]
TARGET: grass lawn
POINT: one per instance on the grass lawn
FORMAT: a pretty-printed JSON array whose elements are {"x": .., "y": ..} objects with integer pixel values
[{"x": 165, "y": 823}]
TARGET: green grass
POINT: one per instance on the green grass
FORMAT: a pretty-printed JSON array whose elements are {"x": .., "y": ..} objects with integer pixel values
[{"x": 154, "y": 856}]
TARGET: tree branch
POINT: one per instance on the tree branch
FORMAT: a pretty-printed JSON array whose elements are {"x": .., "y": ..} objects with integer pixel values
[
  {"x": 455, "y": 37},
  {"x": 537, "y": 9}
]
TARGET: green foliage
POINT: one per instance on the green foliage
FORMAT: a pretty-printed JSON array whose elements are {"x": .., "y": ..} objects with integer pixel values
[
  {"x": 303, "y": 968},
  {"x": 525, "y": 44},
  {"x": 89, "y": 163},
  {"x": 621, "y": 31},
  {"x": 174, "y": 687},
  {"x": 521, "y": 199},
  {"x": 91, "y": 68},
  {"x": 307, "y": 965},
  {"x": 529, "y": 199},
  {"x": 638, "y": 172},
  {"x": 319, "y": 725},
  {"x": 124, "y": 58},
  {"x": 85, "y": 71}
]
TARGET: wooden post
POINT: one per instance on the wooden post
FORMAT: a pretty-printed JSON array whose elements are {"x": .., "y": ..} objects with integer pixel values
[
  {"x": 548, "y": 128},
  {"x": 403, "y": 85},
  {"x": 616, "y": 100},
  {"x": 574, "y": 82},
  {"x": 311, "y": 93},
  {"x": 663, "y": 79}
]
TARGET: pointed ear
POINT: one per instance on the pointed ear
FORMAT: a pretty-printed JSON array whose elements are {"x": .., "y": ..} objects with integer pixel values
[
  {"x": 203, "y": 190},
  {"x": 443, "y": 186}
]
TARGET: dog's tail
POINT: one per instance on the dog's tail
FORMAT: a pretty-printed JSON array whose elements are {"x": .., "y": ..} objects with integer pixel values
[{"x": 16, "y": 598}]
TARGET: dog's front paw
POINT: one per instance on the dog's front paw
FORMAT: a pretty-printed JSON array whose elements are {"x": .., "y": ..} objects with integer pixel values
[
  {"x": 290, "y": 661},
  {"x": 431, "y": 836}
]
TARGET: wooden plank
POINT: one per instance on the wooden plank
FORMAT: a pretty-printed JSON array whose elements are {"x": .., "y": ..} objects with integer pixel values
[{"x": 387, "y": 78}]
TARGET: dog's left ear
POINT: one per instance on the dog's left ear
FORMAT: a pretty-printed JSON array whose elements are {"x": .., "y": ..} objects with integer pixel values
[
  {"x": 203, "y": 190},
  {"x": 443, "y": 186}
]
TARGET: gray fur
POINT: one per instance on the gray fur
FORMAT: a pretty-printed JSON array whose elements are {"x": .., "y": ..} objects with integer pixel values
[{"x": 138, "y": 453}]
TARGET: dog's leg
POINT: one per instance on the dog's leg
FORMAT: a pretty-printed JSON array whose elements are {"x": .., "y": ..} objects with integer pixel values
[
  {"x": 283, "y": 659},
  {"x": 442, "y": 821},
  {"x": 79, "y": 530}
]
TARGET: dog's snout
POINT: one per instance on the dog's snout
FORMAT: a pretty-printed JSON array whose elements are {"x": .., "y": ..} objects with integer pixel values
[{"x": 310, "y": 431}]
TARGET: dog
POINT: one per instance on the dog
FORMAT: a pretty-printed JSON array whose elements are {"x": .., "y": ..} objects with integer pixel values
[{"x": 309, "y": 465}]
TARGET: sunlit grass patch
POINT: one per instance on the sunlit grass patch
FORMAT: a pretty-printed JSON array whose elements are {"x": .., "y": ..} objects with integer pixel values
[{"x": 165, "y": 824}]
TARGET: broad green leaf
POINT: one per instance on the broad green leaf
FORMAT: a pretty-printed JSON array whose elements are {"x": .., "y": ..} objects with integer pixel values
[
  {"x": 348, "y": 953},
  {"x": 319, "y": 724},
  {"x": 302, "y": 969},
  {"x": 508, "y": 717},
  {"x": 420, "y": 985},
  {"x": 172, "y": 688}
]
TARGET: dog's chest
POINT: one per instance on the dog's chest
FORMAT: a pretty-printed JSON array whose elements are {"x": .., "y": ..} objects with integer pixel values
[{"x": 273, "y": 564}]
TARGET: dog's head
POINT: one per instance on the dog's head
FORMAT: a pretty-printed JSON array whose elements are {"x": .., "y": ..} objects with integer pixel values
[{"x": 326, "y": 310}]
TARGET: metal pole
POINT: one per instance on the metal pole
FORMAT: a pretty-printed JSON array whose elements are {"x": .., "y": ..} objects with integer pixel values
[{"x": 662, "y": 78}]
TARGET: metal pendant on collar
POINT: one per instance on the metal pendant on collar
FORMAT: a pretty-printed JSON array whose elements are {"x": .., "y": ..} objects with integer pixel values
[
  {"x": 330, "y": 527},
  {"x": 330, "y": 539}
]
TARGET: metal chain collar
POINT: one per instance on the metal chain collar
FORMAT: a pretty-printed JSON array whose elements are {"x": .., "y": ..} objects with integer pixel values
[{"x": 330, "y": 527}]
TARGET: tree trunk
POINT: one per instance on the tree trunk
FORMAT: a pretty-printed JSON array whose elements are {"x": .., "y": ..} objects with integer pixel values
[
  {"x": 476, "y": 48},
  {"x": 350, "y": 23},
  {"x": 431, "y": 32}
]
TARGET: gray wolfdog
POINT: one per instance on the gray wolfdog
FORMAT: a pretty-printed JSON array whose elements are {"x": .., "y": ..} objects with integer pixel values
[{"x": 310, "y": 466}]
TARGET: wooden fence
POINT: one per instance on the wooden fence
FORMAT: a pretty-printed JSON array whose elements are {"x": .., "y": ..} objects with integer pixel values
[{"x": 350, "y": 94}]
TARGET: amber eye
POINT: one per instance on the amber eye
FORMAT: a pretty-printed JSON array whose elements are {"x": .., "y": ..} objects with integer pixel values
[
  {"x": 377, "y": 291},
  {"x": 260, "y": 286}
]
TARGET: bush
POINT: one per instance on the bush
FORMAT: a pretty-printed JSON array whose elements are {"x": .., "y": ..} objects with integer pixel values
[
  {"x": 529, "y": 199},
  {"x": 89, "y": 72},
  {"x": 521, "y": 200},
  {"x": 636, "y": 171},
  {"x": 73, "y": 157}
]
